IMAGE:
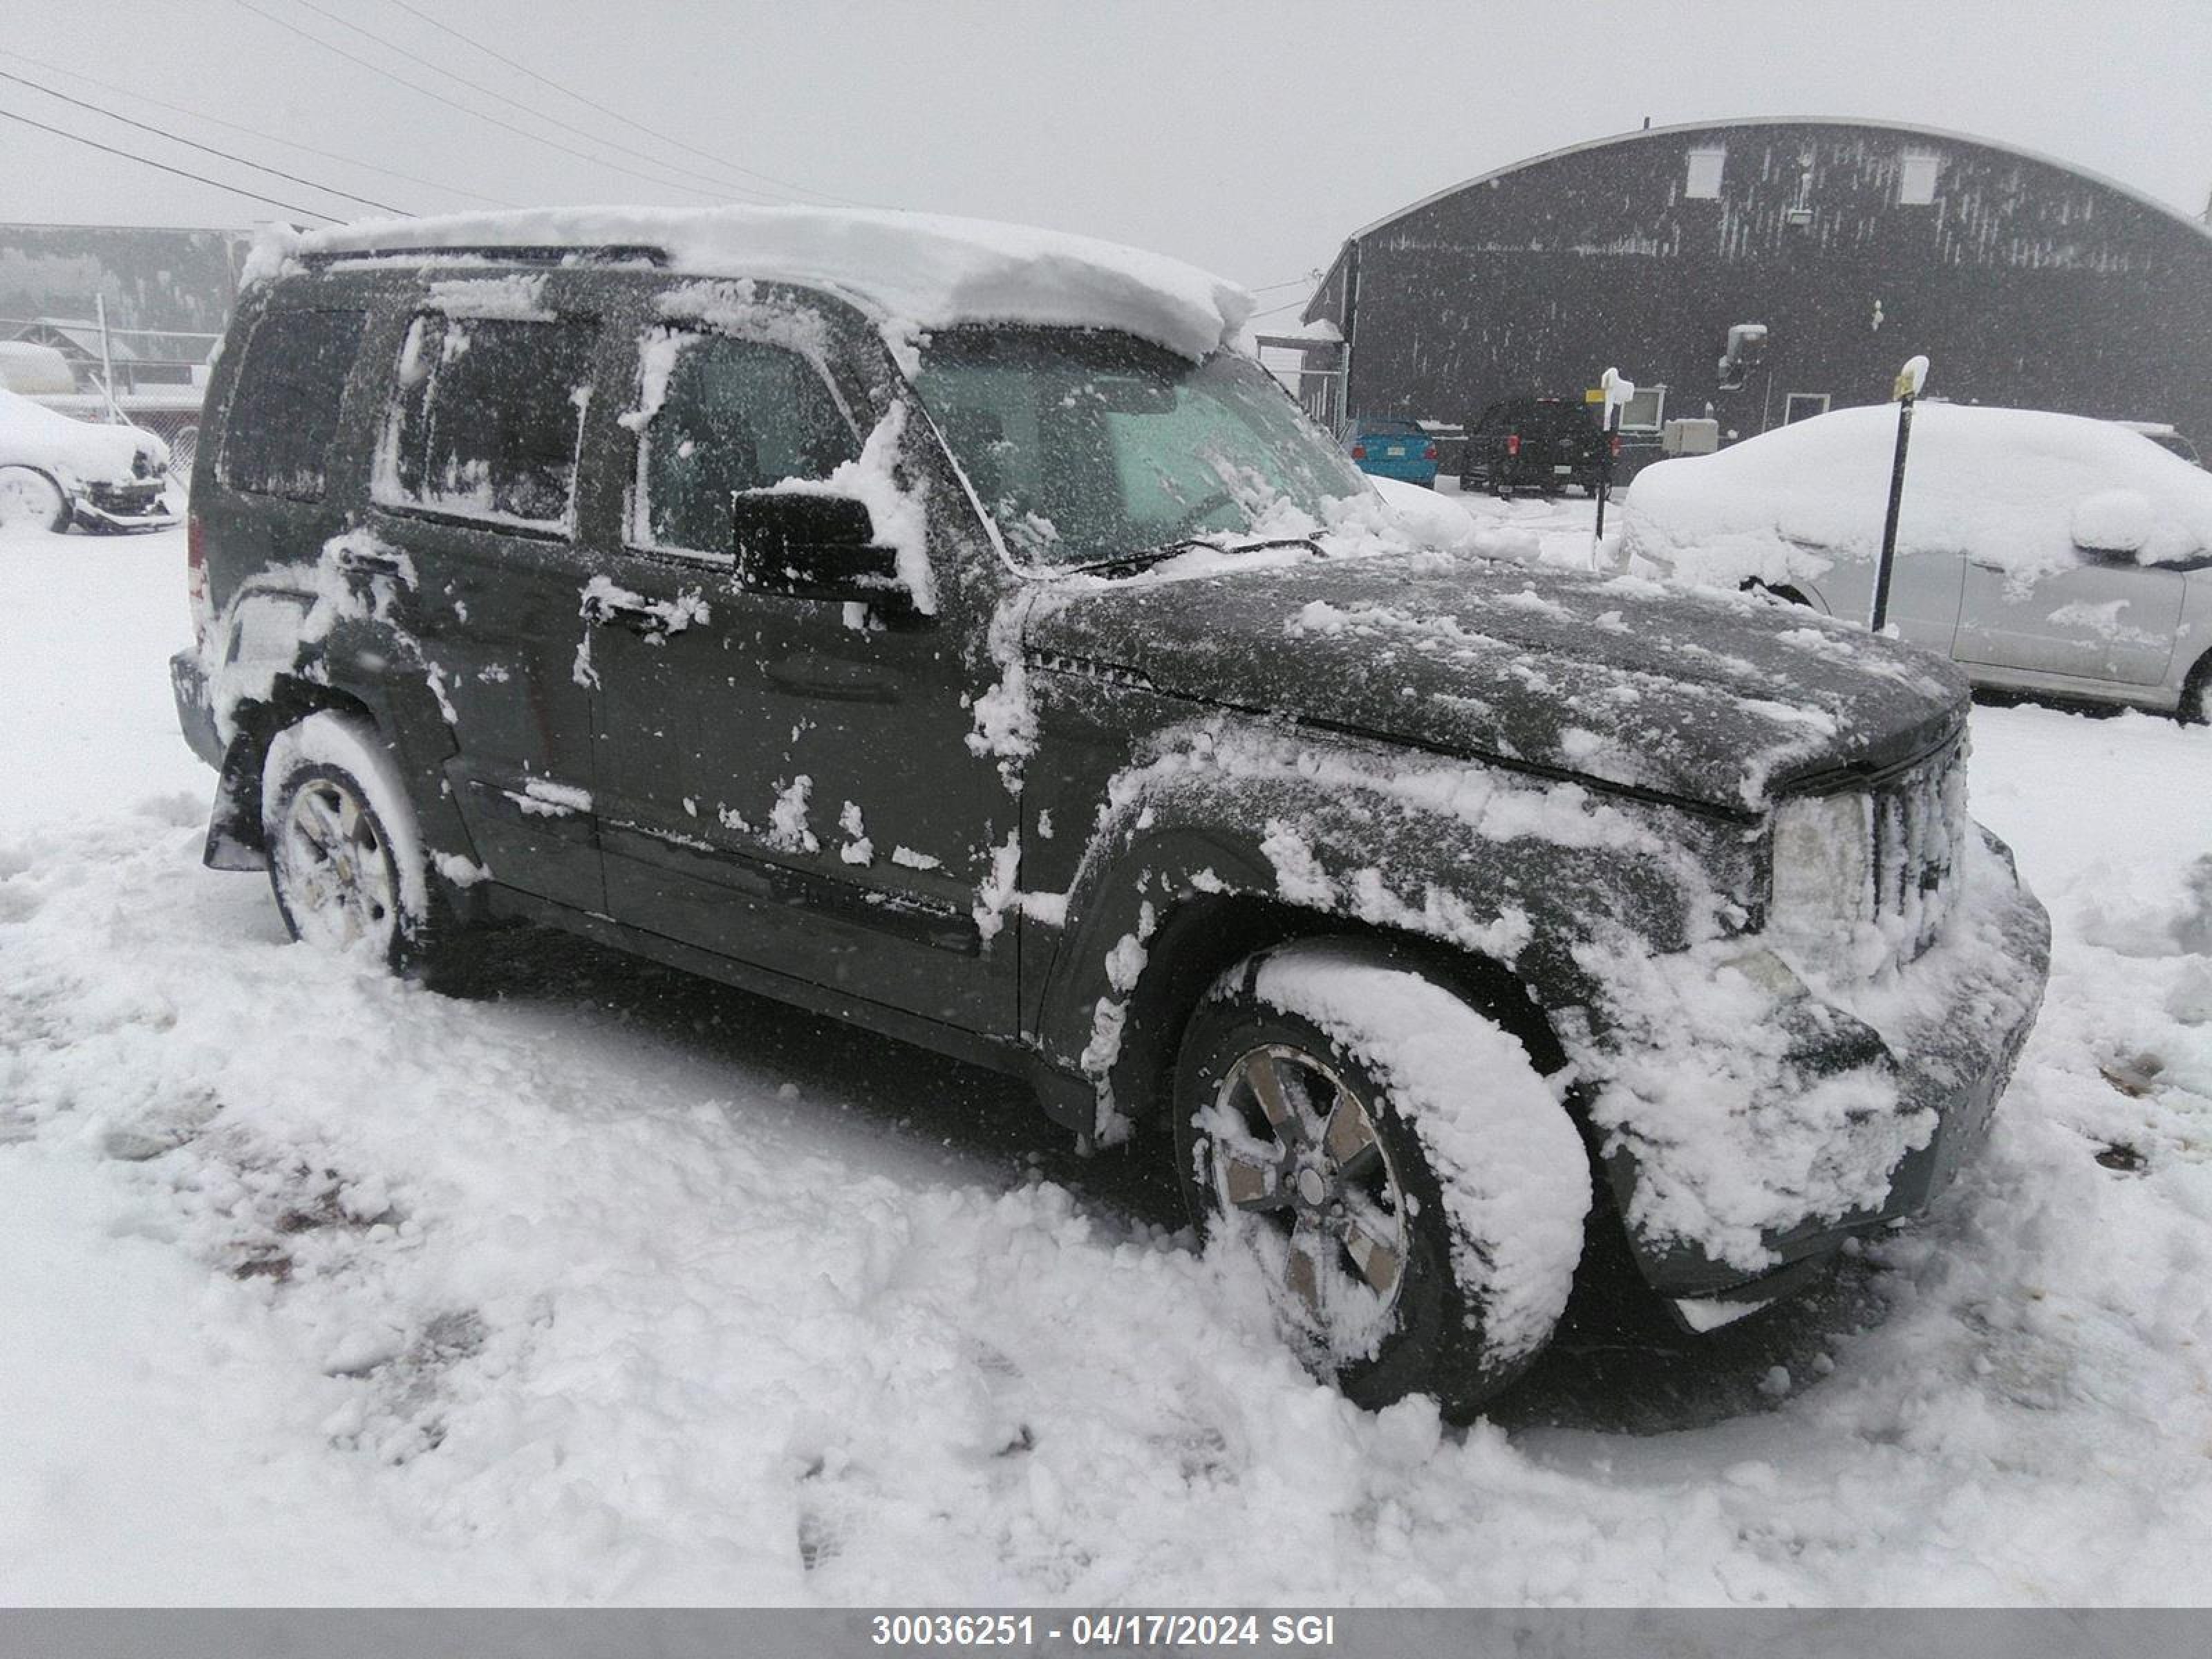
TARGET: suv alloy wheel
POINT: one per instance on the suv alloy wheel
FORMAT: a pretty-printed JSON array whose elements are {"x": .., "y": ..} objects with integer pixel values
[{"x": 1328, "y": 1105}]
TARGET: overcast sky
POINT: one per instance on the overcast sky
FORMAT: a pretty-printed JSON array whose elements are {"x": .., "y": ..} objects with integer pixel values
[{"x": 1247, "y": 136}]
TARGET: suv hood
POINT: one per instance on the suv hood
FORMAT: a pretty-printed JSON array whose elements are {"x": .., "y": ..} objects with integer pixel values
[{"x": 1706, "y": 700}]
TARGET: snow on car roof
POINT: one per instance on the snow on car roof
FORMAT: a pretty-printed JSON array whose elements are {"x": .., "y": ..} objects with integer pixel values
[
  {"x": 2018, "y": 488},
  {"x": 32, "y": 435},
  {"x": 916, "y": 269}
]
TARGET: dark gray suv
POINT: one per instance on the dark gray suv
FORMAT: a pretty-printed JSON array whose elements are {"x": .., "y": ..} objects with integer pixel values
[{"x": 938, "y": 627}]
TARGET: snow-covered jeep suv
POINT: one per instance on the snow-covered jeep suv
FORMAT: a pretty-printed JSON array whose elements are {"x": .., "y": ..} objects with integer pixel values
[{"x": 938, "y": 626}]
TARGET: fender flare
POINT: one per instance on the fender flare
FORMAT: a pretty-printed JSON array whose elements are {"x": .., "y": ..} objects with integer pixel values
[
  {"x": 1158, "y": 912},
  {"x": 402, "y": 707}
]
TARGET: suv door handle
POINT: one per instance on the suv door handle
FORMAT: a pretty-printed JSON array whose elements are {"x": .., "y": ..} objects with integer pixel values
[
  {"x": 362, "y": 562},
  {"x": 600, "y": 610}
]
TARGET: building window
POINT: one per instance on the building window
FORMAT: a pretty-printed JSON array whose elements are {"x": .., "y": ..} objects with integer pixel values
[
  {"x": 1704, "y": 180},
  {"x": 1803, "y": 406},
  {"x": 1916, "y": 179}
]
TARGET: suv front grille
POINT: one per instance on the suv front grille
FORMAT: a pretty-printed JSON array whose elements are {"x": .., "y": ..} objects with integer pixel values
[
  {"x": 1863, "y": 876},
  {"x": 1919, "y": 830}
]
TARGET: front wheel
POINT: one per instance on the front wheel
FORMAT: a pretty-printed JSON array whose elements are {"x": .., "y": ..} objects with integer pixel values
[
  {"x": 29, "y": 499},
  {"x": 2196, "y": 707},
  {"x": 1393, "y": 1164}
]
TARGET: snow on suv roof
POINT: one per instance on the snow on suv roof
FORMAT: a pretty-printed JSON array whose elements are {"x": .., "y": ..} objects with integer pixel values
[{"x": 912, "y": 268}]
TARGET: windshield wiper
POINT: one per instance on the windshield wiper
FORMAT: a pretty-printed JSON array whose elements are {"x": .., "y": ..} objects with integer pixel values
[{"x": 1146, "y": 557}]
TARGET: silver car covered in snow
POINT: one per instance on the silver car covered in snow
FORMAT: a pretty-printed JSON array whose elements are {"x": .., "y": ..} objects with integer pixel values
[
  {"x": 55, "y": 472},
  {"x": 2040, "y": 552}
]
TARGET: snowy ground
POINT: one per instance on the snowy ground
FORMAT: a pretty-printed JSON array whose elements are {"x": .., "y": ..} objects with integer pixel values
[{"x": 621, "y": 1287}]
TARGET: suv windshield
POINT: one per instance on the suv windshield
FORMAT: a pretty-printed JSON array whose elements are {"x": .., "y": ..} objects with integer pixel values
[{"x": 1087, "y": 445}]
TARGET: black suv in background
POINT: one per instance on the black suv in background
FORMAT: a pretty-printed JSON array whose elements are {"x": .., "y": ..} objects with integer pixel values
[
  {"x": 943, "y": 631},
  {"x": 1537, "y": 444}
]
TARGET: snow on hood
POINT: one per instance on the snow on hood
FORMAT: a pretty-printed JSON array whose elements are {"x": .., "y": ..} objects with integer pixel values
[
  {"x": 914, "y": 268},
  {"x": 1714, "y": 700},
  {"x": 78, "y": 452},
  {"x": 2016, "y": 487}
]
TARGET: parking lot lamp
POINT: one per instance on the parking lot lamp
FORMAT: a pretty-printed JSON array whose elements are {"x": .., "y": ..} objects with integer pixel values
[{"x": 1907, "y": 390}]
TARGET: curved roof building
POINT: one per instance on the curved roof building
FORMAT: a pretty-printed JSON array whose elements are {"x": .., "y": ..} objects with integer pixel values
[{"x": 1853, "y": 244}]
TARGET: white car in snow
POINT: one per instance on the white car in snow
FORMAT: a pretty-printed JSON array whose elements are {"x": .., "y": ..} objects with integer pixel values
[
  {"x": 2047, "y": 553},
  {"x": 55, "y": 472}
]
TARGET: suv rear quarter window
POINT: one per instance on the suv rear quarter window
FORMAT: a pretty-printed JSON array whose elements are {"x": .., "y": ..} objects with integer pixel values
[
  {"x": 485, "y": 419},
  {"x": 277, "y": 438}
]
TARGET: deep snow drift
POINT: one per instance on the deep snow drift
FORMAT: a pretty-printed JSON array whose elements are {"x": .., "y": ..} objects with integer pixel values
[{"x": 621, "y": 1287}]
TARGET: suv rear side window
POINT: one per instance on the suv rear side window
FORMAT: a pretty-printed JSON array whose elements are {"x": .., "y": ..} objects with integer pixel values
[
  {"x": 486, "y": 419},
  {"x": 721, "y": 416},
  {"x": 284, "y": 412}
]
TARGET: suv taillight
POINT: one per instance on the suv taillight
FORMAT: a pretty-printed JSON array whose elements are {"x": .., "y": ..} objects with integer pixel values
[
  {"x": 1359, "y": 451},
  {"x": 1430, "y": 454},
  {"x": 1513, "y": 443},
  {"x": 1616, "y": 446},
  {"x": 196, "y": 582}
]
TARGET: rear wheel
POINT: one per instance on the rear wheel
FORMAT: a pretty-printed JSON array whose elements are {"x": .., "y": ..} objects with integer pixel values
[
  {"x": 30, "y": 500},
  {"x": 1392, "y": 1162},
  {"x": 346, "y": 860}
]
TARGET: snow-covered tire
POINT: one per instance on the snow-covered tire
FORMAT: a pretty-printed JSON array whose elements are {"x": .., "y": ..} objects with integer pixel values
[
  {"x": 346, "y": 859},
  {"x": 29, "y": 497},
  {"x": 1334, "y": 1106},
  {"x": 2196, "y": 707}
]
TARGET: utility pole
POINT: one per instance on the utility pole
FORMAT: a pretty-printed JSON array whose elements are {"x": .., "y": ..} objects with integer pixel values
[{"x": 1907, "y": 392}]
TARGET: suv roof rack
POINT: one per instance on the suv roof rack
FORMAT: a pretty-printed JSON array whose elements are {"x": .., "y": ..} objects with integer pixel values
[{"x": 541, "y": 253}]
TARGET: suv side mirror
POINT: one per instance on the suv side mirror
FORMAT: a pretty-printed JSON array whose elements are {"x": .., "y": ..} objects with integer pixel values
[{"x": 808, "y": 545}]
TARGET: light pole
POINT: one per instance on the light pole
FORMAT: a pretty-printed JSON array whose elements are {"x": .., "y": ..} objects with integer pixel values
[
  {"x": 1616, "y": 392},
  {"x": 1907, "y": 392}
]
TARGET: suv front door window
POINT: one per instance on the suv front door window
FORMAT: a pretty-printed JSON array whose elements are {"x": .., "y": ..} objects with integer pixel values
[{"x": 725, "y": 415}]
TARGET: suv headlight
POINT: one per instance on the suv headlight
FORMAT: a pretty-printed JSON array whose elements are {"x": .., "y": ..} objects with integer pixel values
[{"x": 1823, "y": 874}]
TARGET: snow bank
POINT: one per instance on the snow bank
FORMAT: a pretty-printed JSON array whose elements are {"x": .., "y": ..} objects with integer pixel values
[
  {"x": 2018, "y": 488},
  {"x": 663, "y": 1329},
  {"x": 917, "y": 271}
]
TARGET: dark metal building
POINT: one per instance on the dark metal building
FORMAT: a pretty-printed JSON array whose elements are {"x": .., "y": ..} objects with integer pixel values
[{"x": 1764, "y": 271}]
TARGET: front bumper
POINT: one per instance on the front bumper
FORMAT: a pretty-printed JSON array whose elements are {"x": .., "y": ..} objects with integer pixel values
[
  {"x": 123, "y": 507},
  {"x": 1938, "y": 1036}
]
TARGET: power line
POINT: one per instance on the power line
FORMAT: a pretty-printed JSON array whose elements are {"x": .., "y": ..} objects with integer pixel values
[
  {"x": 615, "y": 115},
  {"x": 515, "y": 104},
  {"x": 250, "y": 132},
  {"x": 163, "y": 132},
  {"x": 441, "y": 98},
  {"x": 147, "y": 161}
]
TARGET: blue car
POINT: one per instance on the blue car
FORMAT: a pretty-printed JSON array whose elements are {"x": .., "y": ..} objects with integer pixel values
[{"x": 1393, "y": 449}]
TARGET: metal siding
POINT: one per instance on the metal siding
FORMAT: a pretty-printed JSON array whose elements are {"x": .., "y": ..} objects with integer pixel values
[{"x": 2027, "y": 285}]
